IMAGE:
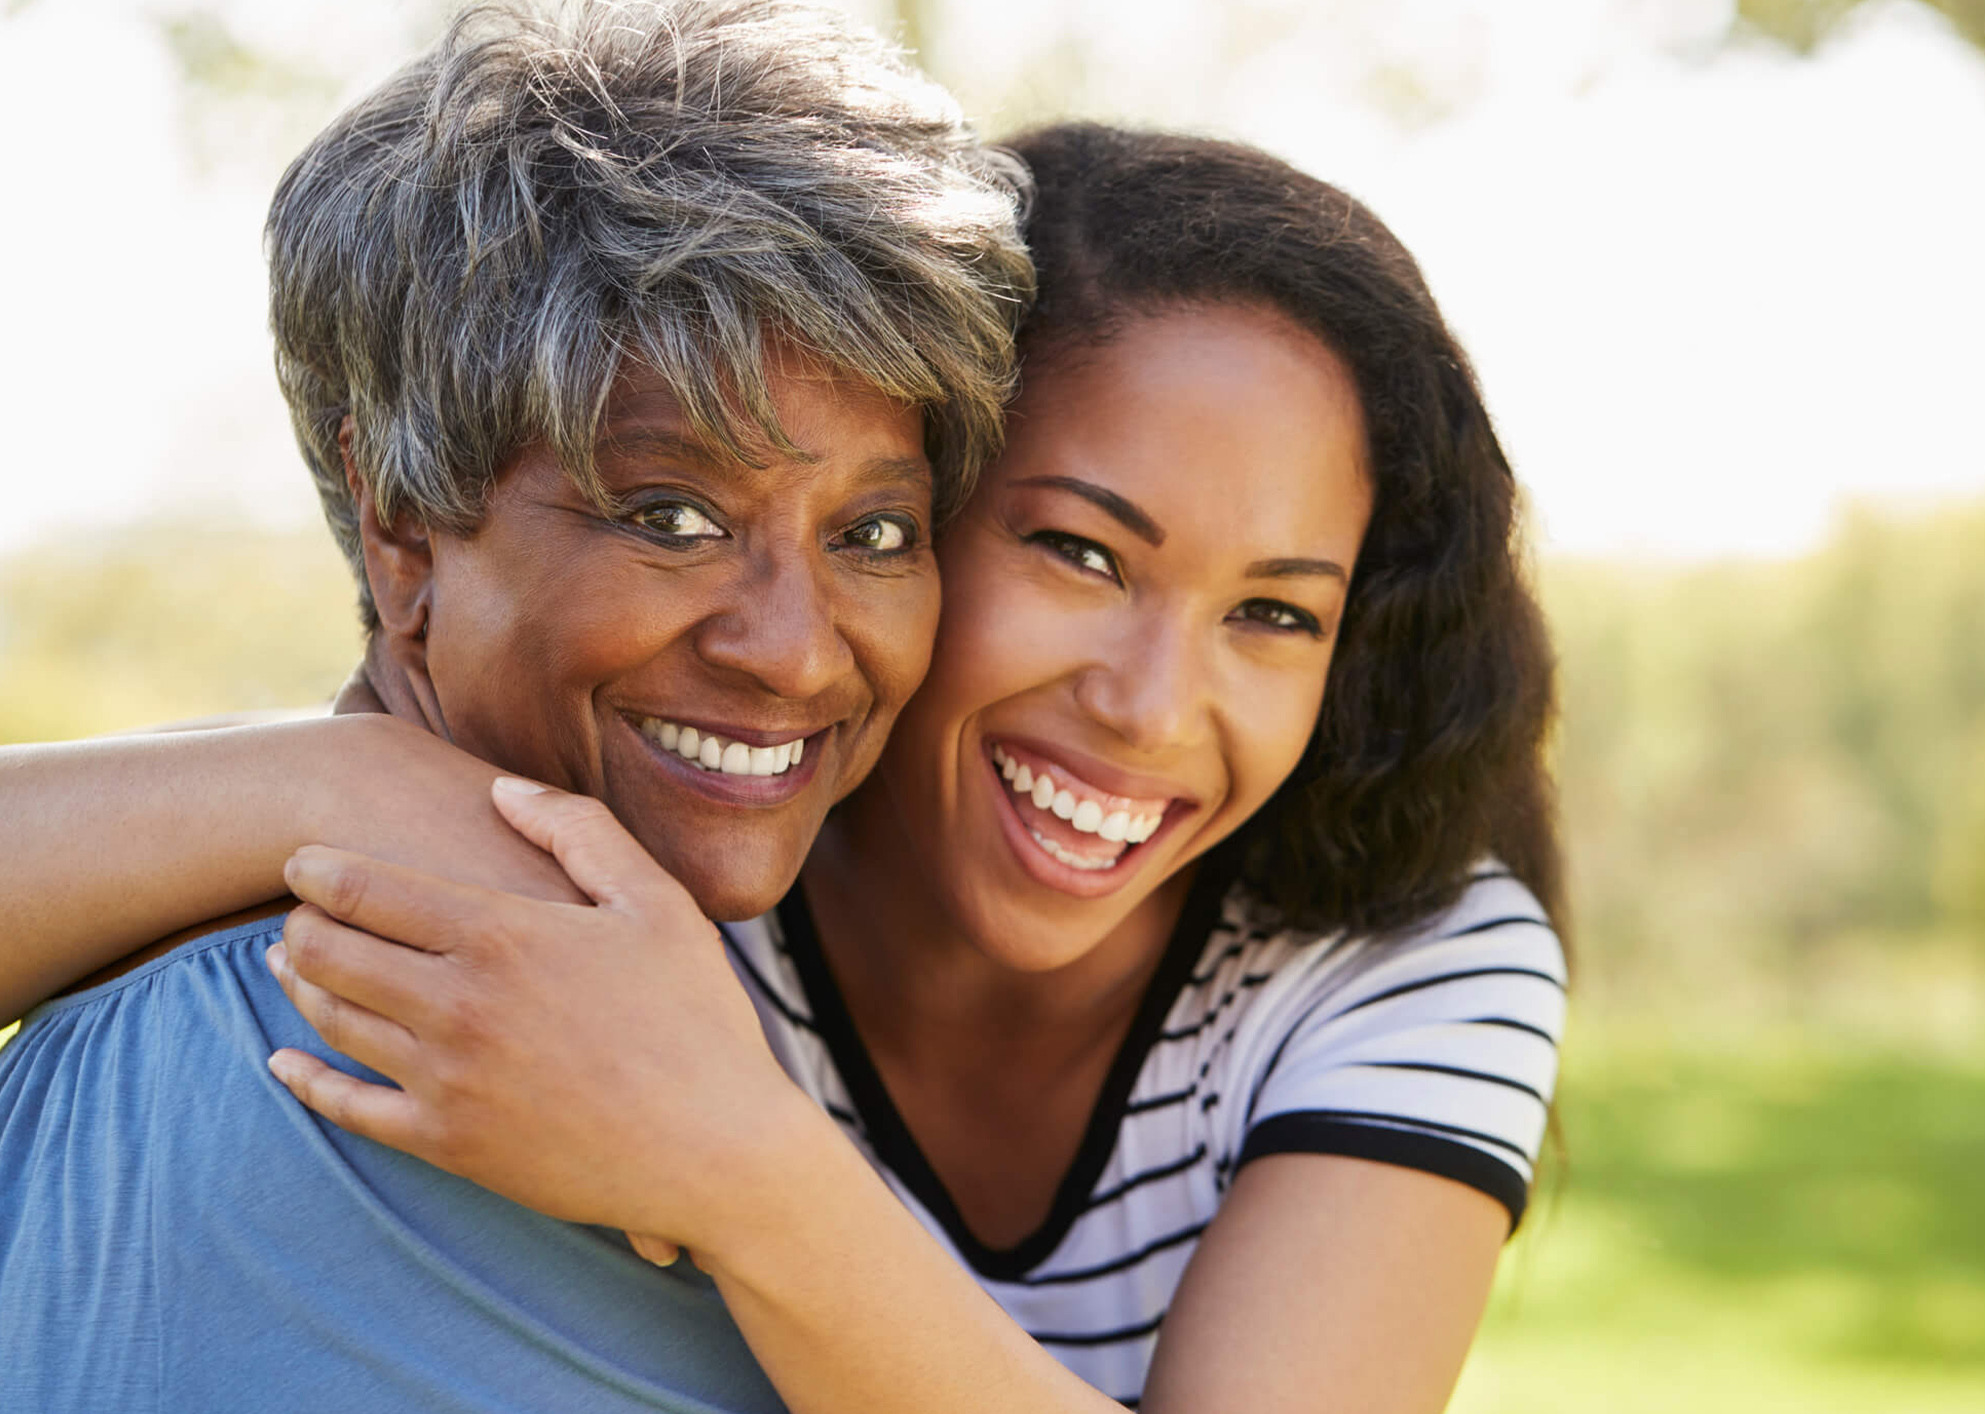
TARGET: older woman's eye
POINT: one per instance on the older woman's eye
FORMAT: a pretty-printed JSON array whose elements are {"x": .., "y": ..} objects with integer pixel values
[
  {"x": 882, "y": 535},
  {"x": 1273, "y": 613},
  {"x": 679, "y": 520}
]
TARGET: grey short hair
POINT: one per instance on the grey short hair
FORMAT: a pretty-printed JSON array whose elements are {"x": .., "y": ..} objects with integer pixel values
[{"x": 462, "y": 260}]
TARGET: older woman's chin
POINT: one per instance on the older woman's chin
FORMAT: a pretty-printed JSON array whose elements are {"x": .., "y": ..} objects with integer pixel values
[{"x": 734, "y": 869}]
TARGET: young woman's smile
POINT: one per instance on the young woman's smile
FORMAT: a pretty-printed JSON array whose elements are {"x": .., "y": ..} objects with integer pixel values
[{"x": 1140, "y": 606}]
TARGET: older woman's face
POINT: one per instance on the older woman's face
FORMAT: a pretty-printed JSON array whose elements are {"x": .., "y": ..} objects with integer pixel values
[{"x": 721, "y": 661}]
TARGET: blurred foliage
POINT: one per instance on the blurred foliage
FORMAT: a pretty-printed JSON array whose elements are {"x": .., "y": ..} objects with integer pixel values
[
  {"x": 167, "y": 622},
  {"x": 1765, "y": 766},
  {"x": 1805, "y": 24},
  {"x": 1780, "y": 1225}
]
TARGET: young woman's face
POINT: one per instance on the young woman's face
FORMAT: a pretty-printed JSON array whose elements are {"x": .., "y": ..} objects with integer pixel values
[{"x": 1140, "y": 605}]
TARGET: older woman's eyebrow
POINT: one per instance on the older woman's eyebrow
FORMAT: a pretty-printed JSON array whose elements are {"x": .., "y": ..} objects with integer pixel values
[
  {"x": 657, "y": 442},
  {"x": 1295, "y": 567},
  {"x": 882, "y": 471},
  {"x": 1132, "y": 516}
]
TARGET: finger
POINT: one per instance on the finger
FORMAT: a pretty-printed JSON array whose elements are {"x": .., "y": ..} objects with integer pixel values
[
  {"x": 365, "y": 1036},
  {"x": 396, "y": 903},
  {"x": 658, "y": 1250},
  {"x": 372, "y": 1111},
  {"x": 398, "y": 982},
  {"x": 594, "y": 849}
]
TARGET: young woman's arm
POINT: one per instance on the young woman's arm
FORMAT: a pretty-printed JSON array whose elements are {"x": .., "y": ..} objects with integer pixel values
[
  {"x": 526, "y": 1043},
  {"x": 112, "y": 843}
]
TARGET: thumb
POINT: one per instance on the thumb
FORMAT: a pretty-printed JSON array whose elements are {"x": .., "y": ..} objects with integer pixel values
[{"x": 594, "y": 849}]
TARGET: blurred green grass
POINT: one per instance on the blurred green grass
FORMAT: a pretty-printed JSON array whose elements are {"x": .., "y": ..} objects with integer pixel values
[{"x": 1786, "y": 1222}]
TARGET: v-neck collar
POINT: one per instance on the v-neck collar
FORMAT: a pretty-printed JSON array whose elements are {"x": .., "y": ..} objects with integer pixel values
[{"x": 890, "y": 1137}]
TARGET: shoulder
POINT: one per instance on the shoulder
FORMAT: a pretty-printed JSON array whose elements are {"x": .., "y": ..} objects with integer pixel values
[
  {"x": 250, "y": 930},
  {"x": 1434, "y": 1048},
  {"x": 1494, "y": 937},
  {"x": 263, "y": 920}
]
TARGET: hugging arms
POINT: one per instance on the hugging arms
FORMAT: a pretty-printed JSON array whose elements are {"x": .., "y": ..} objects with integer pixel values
[{"x": 1099, "y": 988}]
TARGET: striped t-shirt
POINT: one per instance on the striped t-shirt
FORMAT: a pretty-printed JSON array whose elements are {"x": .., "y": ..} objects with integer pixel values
[{"x": 1436, "y": 1050}]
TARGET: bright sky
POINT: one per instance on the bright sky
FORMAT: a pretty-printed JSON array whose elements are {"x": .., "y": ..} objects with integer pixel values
[{"x": 1711, "y": 291}]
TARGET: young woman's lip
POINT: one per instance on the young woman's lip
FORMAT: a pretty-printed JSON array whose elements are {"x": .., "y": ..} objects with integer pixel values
[
  {"x": 726, "y": 789},
  {"x": 1097, "y": 773},
  {"x": 1051, "y": 872}
]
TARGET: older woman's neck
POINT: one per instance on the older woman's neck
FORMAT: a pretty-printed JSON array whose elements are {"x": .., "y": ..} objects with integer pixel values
[{"x": 378, "y": 684}]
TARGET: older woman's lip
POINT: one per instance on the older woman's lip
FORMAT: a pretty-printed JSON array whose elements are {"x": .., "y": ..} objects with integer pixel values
[
  {"x": 724, "y": 788},
  {"x": 730, "y": 731}
]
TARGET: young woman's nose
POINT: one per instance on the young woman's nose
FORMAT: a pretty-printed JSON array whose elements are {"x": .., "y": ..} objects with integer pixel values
[
  {"x": 1149, "y": 685},
  {"x": 780, "y": 628}
]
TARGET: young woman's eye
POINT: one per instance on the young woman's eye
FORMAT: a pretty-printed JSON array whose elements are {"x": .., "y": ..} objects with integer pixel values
[
  {"x": 679, "y": 520},
  {"x": 1084, "y": 554},
  {"x": 882, "y": 535},
  {"x": 1273, "y": 613}
]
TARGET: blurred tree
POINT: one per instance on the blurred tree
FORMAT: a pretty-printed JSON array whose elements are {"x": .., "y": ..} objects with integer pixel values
[
  {"x": 1805, "y": 24},
  {"x": 1759, "y": 760}
]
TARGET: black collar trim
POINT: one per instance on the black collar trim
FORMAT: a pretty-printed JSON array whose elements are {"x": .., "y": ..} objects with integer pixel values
[{"x": 891, "y": 1138}]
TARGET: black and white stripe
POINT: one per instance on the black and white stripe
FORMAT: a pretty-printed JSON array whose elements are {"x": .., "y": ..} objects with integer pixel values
[{"x": 1437, "y": 1052}]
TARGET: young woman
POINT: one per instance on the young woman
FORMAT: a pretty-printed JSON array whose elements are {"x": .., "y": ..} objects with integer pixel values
[{"x": 1207, "y": 1017}]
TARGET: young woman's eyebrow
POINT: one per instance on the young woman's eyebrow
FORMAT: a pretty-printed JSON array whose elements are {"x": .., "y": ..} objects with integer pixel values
[
  {"x": 1132, "y": 516},
  {"x": 1295, "y": 567}
]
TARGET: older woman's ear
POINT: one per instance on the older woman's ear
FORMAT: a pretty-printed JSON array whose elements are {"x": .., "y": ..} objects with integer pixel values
[{"x": 399, "y": 570}]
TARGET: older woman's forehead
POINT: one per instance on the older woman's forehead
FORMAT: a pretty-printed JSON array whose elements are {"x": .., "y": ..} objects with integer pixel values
[{"x": 826, "y": 419}]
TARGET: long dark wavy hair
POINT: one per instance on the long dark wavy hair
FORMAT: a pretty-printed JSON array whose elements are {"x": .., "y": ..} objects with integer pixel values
[{"x": 1428, "y": 754}]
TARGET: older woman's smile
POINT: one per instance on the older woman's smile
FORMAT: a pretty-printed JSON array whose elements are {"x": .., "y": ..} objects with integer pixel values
[{"x": 718, "y": 656}]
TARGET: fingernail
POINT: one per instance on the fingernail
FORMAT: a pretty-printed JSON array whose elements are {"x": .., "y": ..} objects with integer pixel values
[
  {"x": 513, "y": 785},
  {"x": 278, "y": 959},
  {"x": 281, "y": 1066}
]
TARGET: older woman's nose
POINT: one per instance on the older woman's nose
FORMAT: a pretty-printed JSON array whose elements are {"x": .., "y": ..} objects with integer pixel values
[{"x": 781, "y": 628}]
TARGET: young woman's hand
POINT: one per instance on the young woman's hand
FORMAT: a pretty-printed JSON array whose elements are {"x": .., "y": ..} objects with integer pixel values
[{"x": 599, "y": 1063}]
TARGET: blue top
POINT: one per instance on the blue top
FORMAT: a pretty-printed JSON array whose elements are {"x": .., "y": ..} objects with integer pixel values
[{"x": 178, "y": 1233}]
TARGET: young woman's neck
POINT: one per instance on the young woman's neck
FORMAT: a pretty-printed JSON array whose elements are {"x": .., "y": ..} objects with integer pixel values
[{"x": 898, "y": 952}]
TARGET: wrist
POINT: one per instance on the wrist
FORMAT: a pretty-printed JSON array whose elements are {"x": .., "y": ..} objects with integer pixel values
[
  {"x": 334, "y": 761},
  {"x": 790, "y": 1161}
]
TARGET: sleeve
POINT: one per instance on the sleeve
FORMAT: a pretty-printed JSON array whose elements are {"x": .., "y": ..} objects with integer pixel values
[{"x": 1439, "y": 1055}]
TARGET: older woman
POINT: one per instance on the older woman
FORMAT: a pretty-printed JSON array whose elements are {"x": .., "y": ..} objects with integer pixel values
[{"x": 550, "y": 306}]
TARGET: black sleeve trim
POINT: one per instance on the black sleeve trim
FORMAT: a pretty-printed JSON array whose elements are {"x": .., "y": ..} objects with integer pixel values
[{"x": 1305, "y": 1133}]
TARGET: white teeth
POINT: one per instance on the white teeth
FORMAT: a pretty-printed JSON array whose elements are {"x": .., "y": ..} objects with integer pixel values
[
  {"x": 712, "y": 753},
  {"x": 1087, "y": 815},
  {"x": 1069, "y": 857}
]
